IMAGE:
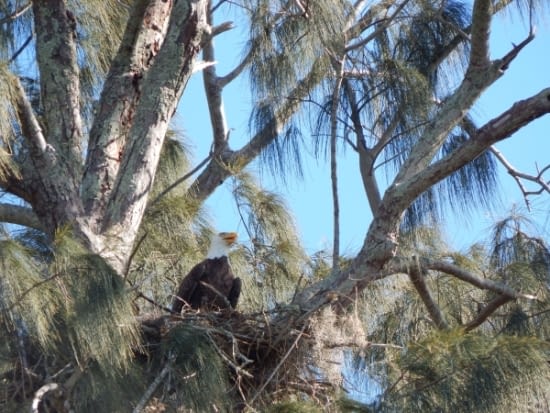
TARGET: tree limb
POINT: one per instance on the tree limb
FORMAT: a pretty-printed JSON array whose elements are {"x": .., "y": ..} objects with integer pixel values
[
  {"x": 416, "y": 275},
  {"x": 487, "y": 311},
  {"x": 510, "y": 121},
  {"x": 481, "y": 24},
  {"x": 154, "y": 385},
  {"x": 121, "y": 93},
  {"x": 17, "y": 13},
  {"x": 55, "y": 27},
  {"x": 231, "y": 162},
  {"x": 468, "y": 277},
  {"x": 19, "y": 215},
  {"x": 379, "y": 29},
  {"x": 32, "y": 130},
  {"x": 339, "y": 69},
  {"x": 214, "y": 99},
  {"x": 367, "y": 156},
  {"x": 161, "y": 90}
]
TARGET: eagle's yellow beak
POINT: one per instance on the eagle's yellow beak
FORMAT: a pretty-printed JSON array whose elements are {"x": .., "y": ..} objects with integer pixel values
[{"x": 229, "y": 237}]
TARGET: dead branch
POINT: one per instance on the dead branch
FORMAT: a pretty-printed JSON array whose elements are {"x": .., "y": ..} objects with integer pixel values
[
  {"x": 518, "y": 176},
  {"x": 55, "y": 394},
  {"x": 153, "y": 386}
]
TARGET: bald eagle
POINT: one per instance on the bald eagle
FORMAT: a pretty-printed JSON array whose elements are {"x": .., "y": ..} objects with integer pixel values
[{"x": 210, "y": 284}]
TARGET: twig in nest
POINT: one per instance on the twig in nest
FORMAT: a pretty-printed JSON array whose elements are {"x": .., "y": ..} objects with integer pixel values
[{"x": 276, "y": 369}]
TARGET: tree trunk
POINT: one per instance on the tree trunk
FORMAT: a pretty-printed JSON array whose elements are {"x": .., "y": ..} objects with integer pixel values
[{"x": 104, "y": 202}]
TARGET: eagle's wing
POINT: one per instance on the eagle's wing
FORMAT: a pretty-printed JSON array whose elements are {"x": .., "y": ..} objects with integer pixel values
[
  {"x": 235, "y": 292},
  {"x": 187, "y": 287}
]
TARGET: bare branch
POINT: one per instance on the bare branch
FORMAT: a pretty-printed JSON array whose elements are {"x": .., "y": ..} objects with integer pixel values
[
  {"x": 339, "y": 69},
  {"x": 221, "y": 28},
  {"x": 32, "y": 130},
  {"x": 512, "y": 54},
  {"x": 54, "y": 393},
  {"x": 17, "y": 13},
  {"x": 19, "y": 215},
  {"x": 231, "y": 162},
  {"x": 510, "y": 121},
  {"x": 181, "y": 180},
  {"x": 214, "y": 99},
  {"x": 276, "y": 369},
  {"x": 487, "y": 311},
  {"x": 21, "y": 48},
  {"x": 140, "y": 406},
  {"x": 225, "y": 80},
  {"x": 481, "y": 24},
  {"x": 468, "y": 277},
  {"x": 518, "y": 176},
  {"x": 416, "y": 275}
]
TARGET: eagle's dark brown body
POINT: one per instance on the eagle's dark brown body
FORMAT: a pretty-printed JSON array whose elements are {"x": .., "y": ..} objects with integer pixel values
[{"x": 209, "y": 285}]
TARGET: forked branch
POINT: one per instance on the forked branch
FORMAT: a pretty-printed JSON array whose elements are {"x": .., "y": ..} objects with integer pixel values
[
  {"x": 416, "y": 275},
  {"x": 519, "y": 176}
]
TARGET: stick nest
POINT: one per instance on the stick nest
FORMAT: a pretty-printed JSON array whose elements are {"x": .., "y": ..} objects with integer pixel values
[{"x": 269, "y": 354}]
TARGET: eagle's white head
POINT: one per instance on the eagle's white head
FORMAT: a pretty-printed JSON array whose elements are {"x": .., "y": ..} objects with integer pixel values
[{"x": 220, "y": 244}]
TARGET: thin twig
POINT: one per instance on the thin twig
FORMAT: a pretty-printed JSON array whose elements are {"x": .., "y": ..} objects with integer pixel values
[
  {"x": 21, "y": 10},
  {"x": 32, "y": 287},
  {"x": 518, "y": 176}
]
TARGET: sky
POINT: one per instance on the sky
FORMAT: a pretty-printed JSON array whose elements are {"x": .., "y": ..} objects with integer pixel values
[{"x": 309, "y": 199}]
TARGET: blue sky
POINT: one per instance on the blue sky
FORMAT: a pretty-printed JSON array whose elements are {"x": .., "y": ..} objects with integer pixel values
[{"x": 309, "y": 199}]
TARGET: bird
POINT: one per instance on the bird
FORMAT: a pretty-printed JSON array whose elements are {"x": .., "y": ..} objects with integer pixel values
[{"x": 210, "y": 285}]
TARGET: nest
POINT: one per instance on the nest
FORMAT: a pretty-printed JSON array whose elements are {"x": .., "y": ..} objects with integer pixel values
[{"x": 269, "y": 355}]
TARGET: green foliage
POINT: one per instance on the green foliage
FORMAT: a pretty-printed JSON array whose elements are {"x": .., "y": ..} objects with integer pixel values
[
  {"x": 108, "y": 391},
  {"x": 97, "y": 315},
  {"x": 452, "y": 371},
  {"x": 199, "y": 379},
  {"x": 27, "y": 296},
  {"x": 275, "y": 256}
]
